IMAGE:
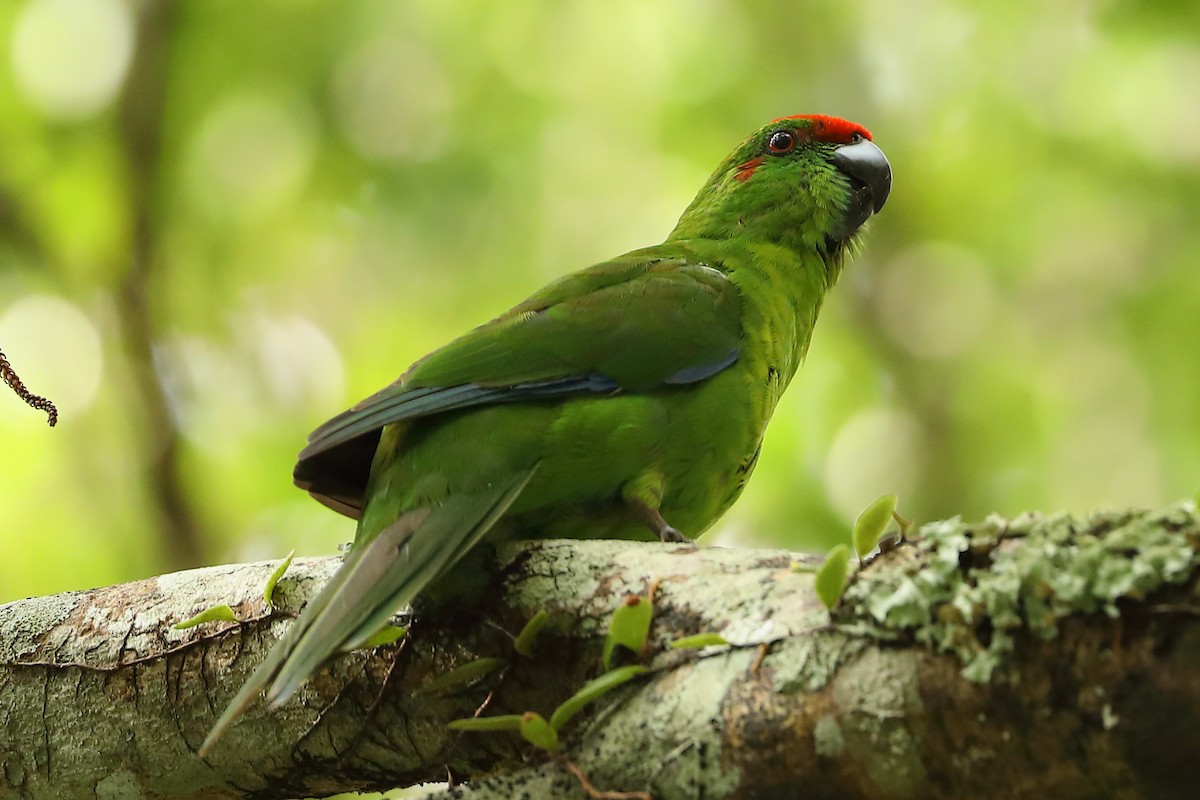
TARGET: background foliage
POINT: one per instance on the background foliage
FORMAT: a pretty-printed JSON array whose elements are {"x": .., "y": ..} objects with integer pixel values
[{"x": 220, "y": 223}]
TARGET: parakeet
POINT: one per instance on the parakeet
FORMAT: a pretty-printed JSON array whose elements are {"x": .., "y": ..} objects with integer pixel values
[{"x": 627, "y": 400}]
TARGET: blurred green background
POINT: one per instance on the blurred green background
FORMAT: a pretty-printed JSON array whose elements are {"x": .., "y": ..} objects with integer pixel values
[{"x": 221, "y": 223}]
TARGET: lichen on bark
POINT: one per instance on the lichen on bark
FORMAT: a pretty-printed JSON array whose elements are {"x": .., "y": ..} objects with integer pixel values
[{"x": 970, "y": 588}]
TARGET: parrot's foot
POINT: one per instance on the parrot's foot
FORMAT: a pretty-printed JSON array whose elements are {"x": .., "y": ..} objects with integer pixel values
[
  {"x": 643, "y": 496},
  {"x": 669, "y": 534},
  {"x": 655, "y": 522}
]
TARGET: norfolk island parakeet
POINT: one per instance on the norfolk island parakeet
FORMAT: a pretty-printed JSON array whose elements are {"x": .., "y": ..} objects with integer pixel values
[{"x": 627, "y": 400}]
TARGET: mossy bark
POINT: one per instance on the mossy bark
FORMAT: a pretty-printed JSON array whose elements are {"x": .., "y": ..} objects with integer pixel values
[{"x": 1042, "y": 656}]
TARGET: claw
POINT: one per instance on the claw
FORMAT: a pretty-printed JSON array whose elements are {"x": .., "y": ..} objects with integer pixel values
[
  {"x": 669, "y": 534},
  {"x": 655, "y": 522},
  {"x": 643, "y": 497}
]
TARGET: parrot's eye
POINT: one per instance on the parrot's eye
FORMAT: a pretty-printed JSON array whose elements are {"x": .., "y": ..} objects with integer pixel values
[
  {"x": 781, "y": 142},
  {"x": 855, "y": 138}
]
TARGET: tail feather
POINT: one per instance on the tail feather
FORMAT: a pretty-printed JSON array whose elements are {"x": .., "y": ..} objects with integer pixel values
[
  {"x": 462, "y": 527},
  {"x": 374, "y": 582}
]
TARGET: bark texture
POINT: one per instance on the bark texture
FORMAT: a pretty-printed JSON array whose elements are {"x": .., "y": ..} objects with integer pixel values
[{"x": 1041, "y": 656}]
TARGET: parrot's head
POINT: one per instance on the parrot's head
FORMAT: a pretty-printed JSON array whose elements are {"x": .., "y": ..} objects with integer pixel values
[{"x": 807, "y": 182}]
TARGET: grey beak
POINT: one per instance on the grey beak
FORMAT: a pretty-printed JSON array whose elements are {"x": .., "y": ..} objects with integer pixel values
[{"x": 867, "y": 166}]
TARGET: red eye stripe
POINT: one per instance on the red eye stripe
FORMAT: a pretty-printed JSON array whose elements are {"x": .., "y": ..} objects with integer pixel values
[
  {"x": 746, "y": 170},
  {"x": 834, "y": 130}
]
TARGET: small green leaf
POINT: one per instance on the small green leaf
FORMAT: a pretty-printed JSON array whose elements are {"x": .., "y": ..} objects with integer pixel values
[
  {"x": 466, "y": 673},
  {"x": 697, "y": 641},
  {"x": 871, "y": 524},
  {"x": 593, "y": 690},
  {"x": 629, "y": 627},
  {"x": 538, "y": 732},
  {"x": 830, "y": 580},
  {"x": 269, "y": 589},
  {"x": 523, "y": 644},
  {"x": 210, "y": 614},
  {"x": 385, "y": 635},
  {"x": 505, "y": 722},
  {"x": 531, "y": 725}
]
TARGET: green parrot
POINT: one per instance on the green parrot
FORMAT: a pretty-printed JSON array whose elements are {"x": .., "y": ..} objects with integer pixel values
[{"x": 627, "y": 400}]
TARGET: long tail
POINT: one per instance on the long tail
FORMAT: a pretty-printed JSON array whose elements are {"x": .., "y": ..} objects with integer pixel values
[{"x": 375, "y": 581}]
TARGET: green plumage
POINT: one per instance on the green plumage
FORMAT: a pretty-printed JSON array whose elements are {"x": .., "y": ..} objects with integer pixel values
[{"x": 626, "y": 400}]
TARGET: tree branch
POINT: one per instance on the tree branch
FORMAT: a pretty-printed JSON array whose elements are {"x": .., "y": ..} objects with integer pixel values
[
  {"x": 140, "y": 117},
  {"x": 1036, "y": 656}
]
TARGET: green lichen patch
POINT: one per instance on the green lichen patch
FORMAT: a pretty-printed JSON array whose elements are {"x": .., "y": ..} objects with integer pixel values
[{"x": 969, "y": 589}]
